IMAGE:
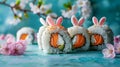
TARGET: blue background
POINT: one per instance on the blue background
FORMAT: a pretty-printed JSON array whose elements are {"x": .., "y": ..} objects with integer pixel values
[
  {"x": 108, "y": 8},
  {"x": 34, "y": 58}
]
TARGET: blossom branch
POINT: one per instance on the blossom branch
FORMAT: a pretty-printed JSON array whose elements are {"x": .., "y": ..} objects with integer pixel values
[
  {"x": 22, "y": 10},
  {"x": 4, "y": 3},
  {"x": 39, "y": 8},
  {"x": 12, "y": 7}
]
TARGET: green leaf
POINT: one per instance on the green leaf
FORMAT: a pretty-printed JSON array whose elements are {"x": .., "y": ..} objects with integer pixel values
[
  {"x": 67, "y": 5},
  {"x": 17, "y": 2},
  {"x": 20, "y": 18},
  {"x": 40, "y": 2},
  {"x": 26, "y": 15},
  {"x": 61, "y": 47},
  {"x": 15, "y": 16},
  {"x": 48, "y": 11}
]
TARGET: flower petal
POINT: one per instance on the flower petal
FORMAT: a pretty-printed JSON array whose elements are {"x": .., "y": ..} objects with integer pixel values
[
  {"x": 112, "y": 55},
  {"x": 116, "y": 39},
  {"x": 105, "y": 52},
  {"x": 2, "y": 37},
  {"x": 110, "y": 46},
  {"x": 108, "y": 54}
]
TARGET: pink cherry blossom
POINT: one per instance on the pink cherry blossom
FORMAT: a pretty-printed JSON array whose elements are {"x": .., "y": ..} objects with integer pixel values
[
  {"x": 117, "y": 39},
  {"x": 7, "y": 38},
  {"x": 10, "y": 38},
  {"x": 109, "y": 52},
  {"x": 7, "y": 49},
  {"x": 117, "y": 48},
  {"x": 117, "y": 44},
  {"x": 13, "y": 48},
  {"x": 2, "y": 37},
  {"x": 8, "y": 45},
  {"x": 19, "y": 48}
]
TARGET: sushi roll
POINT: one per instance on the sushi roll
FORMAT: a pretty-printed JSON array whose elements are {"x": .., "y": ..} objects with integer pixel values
[
  {"x": 40, "y": 32},
  {"x": 79, "y": 35},
  {"x": 26, "y": 33},
  {"x": 100, "y": 34},
  {"x": 55, "y": 38}
]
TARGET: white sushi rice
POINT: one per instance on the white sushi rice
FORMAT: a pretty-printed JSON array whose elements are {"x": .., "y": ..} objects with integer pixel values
[
  {"x": 80, "y": 30},
  {"x": 60, "y": 40},
  {"x": 105, "y": 32},
  {"x": 26, "y": 30},
  {"x": 39, "y": 36},
  {"x": 47, "y": 48}
]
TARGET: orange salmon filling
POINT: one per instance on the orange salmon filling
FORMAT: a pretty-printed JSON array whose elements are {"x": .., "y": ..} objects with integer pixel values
[
  {"x": 80, "y": 41},
  {"x": 54, "y": 39},
  {"x": 98, "y": 39},
  {"x": 23, "y": 36}
]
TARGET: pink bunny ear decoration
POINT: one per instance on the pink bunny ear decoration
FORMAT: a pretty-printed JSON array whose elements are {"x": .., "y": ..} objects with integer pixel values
[
  {"x": 43, "y": 22},
  {"x": 102, "y": 20},
  {"x": 95, "y": 20},
  {"x": 81, "y": 21},
  {"x": 74, "y": 20},
  {"x": 59, "y": 21},
  {"x": 50, "y": 21}
]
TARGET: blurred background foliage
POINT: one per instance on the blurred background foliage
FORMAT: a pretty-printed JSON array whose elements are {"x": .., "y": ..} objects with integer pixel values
[{"x": 100, "y": 8}]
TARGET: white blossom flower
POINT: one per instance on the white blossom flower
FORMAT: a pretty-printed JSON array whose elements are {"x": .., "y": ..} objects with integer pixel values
[
  {"x": 14, "y": 21},
  {"x": 12, "y": 4},
  {"x": 45, "y": 8},
  {"x": 85, "y": 8},
  {"x": 69, "y": 13},
  {"x": 23, "y": 3},
  {"x": 34, "y": 8},
  {"x": 54, "y": 15},
  {"x": 86, "y": 12},
  {"x": 15, "y": 11},
  {"x": 81, "y": 3},
  {"x": 20, "y": 15}
]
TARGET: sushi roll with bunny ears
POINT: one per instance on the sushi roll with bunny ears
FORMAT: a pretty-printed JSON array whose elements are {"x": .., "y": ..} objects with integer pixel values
[
  {"x": 40, "y": 32},
  {"x": 79, "y": 35},
  {"x": 55, "y": 38},
  {"x": 100, "y": 34}
]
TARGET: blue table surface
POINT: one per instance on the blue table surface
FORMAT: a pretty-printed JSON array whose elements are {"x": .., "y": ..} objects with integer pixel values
[{"x": 34, "y": 58}]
